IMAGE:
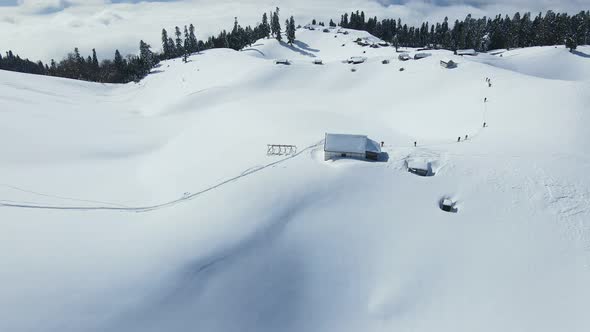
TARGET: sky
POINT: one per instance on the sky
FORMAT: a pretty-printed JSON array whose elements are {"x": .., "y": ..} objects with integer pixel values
[{"x": 49, "y": 29}]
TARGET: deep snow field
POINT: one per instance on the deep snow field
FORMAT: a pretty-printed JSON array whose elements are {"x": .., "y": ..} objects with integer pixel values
[{"x": 154, "y": 207}]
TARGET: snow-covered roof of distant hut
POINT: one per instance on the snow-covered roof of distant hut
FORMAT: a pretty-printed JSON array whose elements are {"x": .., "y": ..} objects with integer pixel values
[
  {"x": 357, "y": 59},
  {"x": 466, "y": 52},
  {"x": 421, "y": 55},
  {"x": 350, "y": 143},
  {"x": 418, "y": 164}
]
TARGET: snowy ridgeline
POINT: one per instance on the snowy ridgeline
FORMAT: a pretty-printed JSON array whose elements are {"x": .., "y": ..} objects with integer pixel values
[{"x": 240, "y": 241}]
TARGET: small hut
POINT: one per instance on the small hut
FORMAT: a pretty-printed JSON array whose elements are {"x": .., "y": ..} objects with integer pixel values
[
  {"x": 282, "y": 62},
  {"x": 404, "y": 57},
  {"x": 471, "y": 52},
  {"x": 318, "y": 62},
  {"x": 419, "y": 168},
  {"x": 356, "y": 60},
  {"x": 350, "y": 146},
  {"x": 448, "y": 64},
  {"x": 447, "y": 205},
  {"x": 421, "y": 55}
]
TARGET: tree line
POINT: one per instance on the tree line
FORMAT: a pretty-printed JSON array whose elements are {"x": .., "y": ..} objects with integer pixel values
[
  {"x": 117, "y": 70},
  {"x": 185, "y": 44},
  {"x": 481, "y": 34},
  {"x": 181, "y": 44}
]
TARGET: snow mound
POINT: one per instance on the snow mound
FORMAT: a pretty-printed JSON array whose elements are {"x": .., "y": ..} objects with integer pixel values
[{"x": 550, "y": 62}]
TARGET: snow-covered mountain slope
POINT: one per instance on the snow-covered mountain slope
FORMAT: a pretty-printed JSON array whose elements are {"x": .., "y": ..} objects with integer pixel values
[
  {"x": 154, "y": 207},
  {"x": 554, "y": 62}
]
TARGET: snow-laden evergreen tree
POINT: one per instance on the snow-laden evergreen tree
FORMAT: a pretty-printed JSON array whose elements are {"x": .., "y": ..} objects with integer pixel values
[
  {"x": 235, "y": 39},
  {"x": 94, "y": 59},
  {"x": 94, "y": 67},
  {"x": 571, "y": 42},
  {"x": 186, "y": 43},
  {"x": 165, "y": 45},
  {"x": 171, "y": 48},
  {"x": 179, "y": 46},
  {"x": 265, "y": 26},
  {"x": 146, "y": 58},
  {"x": 344, "y": 20},
  {"x": 290, "y": 23},
  {"x": 275, "y": 25},
  {"x": 194, "y": 44},
  {"x": 249, "y": 36}
]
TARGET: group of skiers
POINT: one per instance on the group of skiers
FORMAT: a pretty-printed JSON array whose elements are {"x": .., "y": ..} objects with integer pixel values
[
  {"x": 459, "y": 138},
  {"x": 485, "y": 100}
]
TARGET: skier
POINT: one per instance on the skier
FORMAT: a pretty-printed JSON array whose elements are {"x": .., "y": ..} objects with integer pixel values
[
  {"x": 415, "y": 143},
  {"x": 459, "y": 139},
  {"x": 466, "y": 136},
  {"x": 484, "y": 124},
  {"x": 485, "y": 100},
  {"x": 382, "y": 143}
]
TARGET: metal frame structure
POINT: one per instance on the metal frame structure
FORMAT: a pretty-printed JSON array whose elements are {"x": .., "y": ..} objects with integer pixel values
[{"x": 280, "y": 150}]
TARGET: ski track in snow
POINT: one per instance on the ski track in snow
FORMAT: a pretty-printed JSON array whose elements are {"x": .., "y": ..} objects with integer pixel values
[{"x": 141, "y": 209}]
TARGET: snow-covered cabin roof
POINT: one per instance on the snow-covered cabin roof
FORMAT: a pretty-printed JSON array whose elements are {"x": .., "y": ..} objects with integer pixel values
[
  {"x": 448, "y": 63},
  {"x": 447, "y": 202},
  {"x": 418, "y": 164},
  {"x": 343, "y": 143},
  {"x": 466, "y": 52},
  {"x": 421, "y": 55},
  {"x": 357, "y": 59}
]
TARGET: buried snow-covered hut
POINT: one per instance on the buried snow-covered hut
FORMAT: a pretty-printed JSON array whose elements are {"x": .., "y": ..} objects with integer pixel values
[
  {"x": 404, "y": 57},
  {"x": 350, "y": 146},
  {"x": 421, "y": 55},
  {"x": 419, "y": 168},
  {"x": 471, "y": 52},
  {"x": 448, "y": 64},
  {"x": 356, "y": 60}
]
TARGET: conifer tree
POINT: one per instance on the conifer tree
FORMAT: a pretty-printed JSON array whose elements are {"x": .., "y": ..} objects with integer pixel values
[
  {"x": 275, "y": 25},
  {"x": 146, "y": 58},
  {"x": 94, "y": 59},
  {"x": 171, "y": 48},
  {"x": 265, "y": 26},
  {"x": 165, "y": 44},
  {"x": 571, "y": 42},
  {"x": 179, "y": 47},
  {"x": 194, "y": 45},
  {"x": 290, "y": 30},
  {"x": 187, "y": 43}
]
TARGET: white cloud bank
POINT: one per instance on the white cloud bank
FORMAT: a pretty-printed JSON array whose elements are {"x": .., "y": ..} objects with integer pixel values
[{"x": 45, "y": 29}]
